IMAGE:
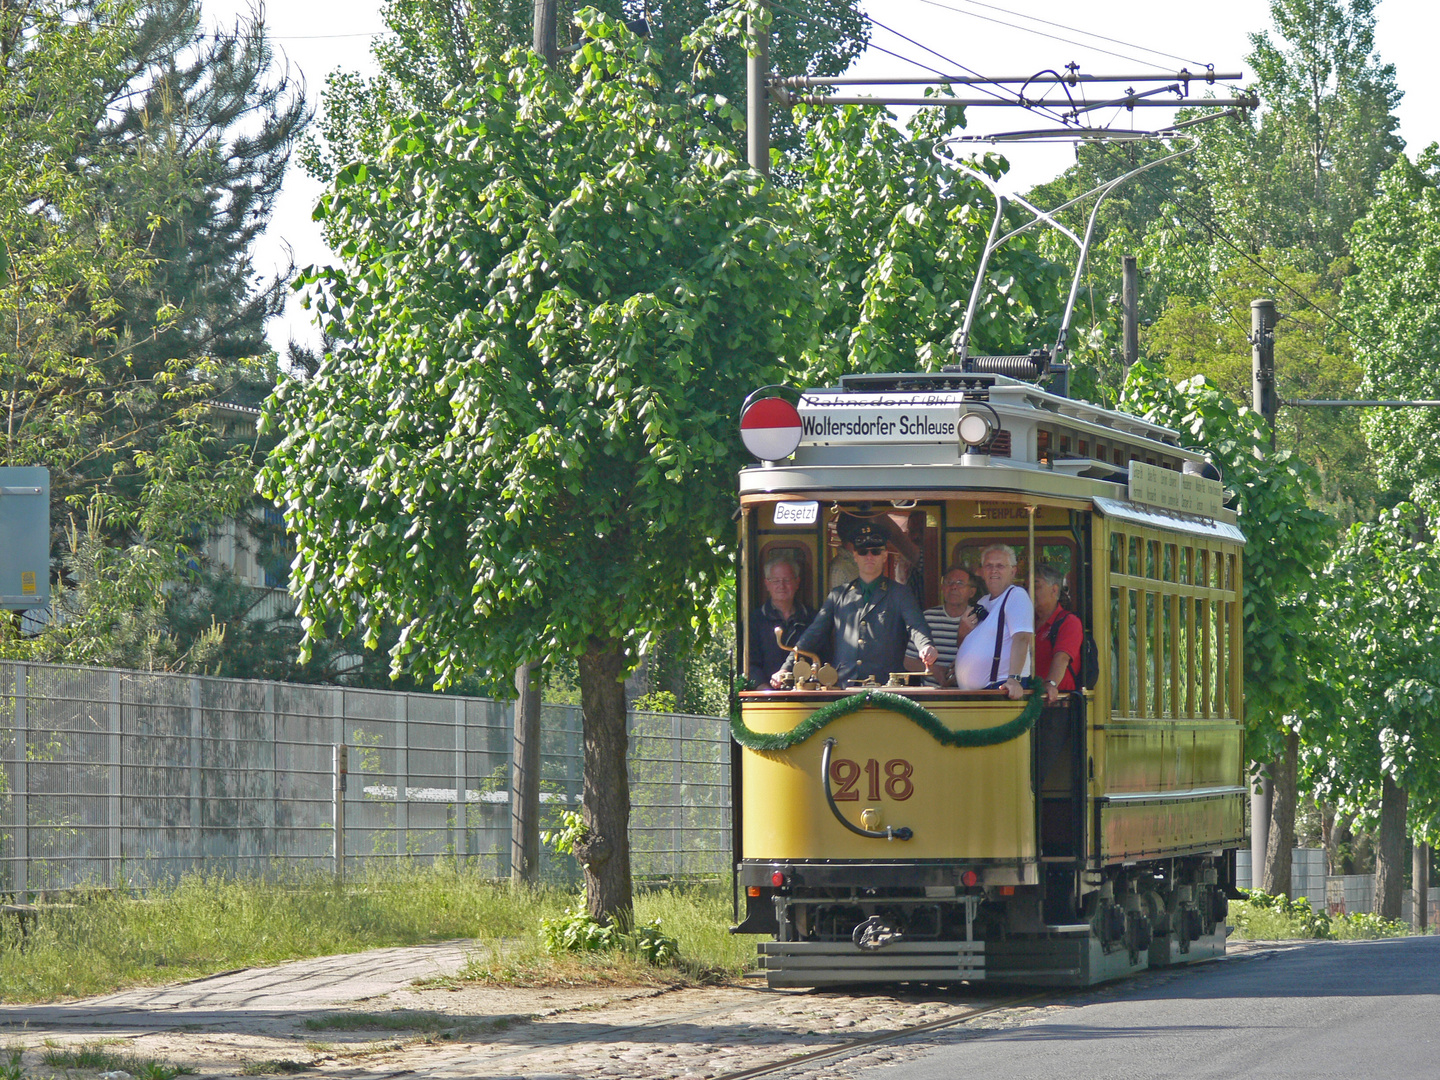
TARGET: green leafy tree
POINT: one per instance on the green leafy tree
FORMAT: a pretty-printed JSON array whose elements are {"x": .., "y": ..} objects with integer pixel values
[
  {"x": 1376, "y": 744},
  {"x": 1263, "y": 197},
  {"x": 1286, "y": 540},
  {"x": 900, "y": 230},
  {"x": 1393, "y": 300},
  {"x": 433, "y": 49},
  {"x": 1328, "y": 131},
  {"x": 147, "y": 156},
  {"x": 1212, "y": 338},
  {"x": 522, "y": 442}
]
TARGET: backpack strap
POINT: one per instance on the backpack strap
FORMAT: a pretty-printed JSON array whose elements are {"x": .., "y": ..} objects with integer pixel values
[{"x": 1054, "y": 634}]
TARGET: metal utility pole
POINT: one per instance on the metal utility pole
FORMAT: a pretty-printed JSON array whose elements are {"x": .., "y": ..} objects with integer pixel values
[
  {"x": 1420, "y": 888},
  {"x": 525, "y": 744},
  {"x": 1130, "y": 302},
  {"x": 1262, "y": 386},
  {"x": 757, "y": 95},
  {"x": 1266, "y": 401}
]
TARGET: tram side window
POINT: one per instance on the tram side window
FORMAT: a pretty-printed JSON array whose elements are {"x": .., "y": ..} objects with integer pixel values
[{"x": 1172, "y": 628}]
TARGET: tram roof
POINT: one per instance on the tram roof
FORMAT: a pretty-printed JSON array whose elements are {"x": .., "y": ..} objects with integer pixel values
[{"x": 898, "y": 433}]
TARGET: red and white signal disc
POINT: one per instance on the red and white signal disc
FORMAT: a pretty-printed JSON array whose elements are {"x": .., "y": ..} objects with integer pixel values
[{"x": 771, "y": 429}]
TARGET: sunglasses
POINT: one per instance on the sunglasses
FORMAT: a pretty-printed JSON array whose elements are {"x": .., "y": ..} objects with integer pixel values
[{"x": 870, "y": 550}]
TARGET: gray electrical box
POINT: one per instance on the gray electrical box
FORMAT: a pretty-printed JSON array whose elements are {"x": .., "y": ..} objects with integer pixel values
[{"x": 24, "y": 538}]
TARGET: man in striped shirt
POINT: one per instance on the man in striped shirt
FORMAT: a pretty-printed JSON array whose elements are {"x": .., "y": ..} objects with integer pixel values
[{"x": 957, "y": 591}]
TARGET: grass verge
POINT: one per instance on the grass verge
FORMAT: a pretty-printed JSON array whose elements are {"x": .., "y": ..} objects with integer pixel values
[
  {"x": 98, "y": 1058},
  {"x": 206, "y": 924}
]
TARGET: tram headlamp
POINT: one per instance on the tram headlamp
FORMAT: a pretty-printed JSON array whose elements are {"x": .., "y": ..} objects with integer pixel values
[{"x": 975, "y": 429}]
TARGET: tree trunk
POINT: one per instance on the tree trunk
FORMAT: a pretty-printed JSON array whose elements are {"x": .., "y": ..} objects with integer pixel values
[
  {"x": 1390, "y": 853},
  {"x": 1282, "y": 818},
  {"x": 605, "y": 851},
  {"x": 1337, "y": 841},
  {"x": 525, "y": 778}
]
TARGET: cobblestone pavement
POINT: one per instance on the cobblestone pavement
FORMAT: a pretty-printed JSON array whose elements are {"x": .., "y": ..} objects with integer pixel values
[{"x": 355, "y": 1018}]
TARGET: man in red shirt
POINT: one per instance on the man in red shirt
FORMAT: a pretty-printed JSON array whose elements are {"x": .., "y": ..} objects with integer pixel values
[{"x": 1058, "y": 636}]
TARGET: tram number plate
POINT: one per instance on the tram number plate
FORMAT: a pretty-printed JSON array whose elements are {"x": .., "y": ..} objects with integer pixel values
[{"x": 845, "y": 775}]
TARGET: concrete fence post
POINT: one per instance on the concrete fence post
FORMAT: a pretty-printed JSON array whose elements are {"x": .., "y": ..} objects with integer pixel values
[
  {"x": 460, "y": 831},
  {"x": 196, "y": 788},
  {"x": 340, "y": 771},
  {"x": 402, "y": 774}
]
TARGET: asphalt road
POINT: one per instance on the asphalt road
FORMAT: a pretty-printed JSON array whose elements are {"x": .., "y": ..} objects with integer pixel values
[{"x": 1364, "y": 1010}]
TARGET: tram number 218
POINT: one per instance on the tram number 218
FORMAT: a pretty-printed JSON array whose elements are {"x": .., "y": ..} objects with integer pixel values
[{"x": 845, "y": 774}]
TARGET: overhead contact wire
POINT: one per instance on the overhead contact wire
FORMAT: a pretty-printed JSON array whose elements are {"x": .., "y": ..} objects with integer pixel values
[{"x": 1060, "y": 26}]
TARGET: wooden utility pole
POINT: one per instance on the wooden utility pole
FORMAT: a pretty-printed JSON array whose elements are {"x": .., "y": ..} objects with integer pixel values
[
  {"x": 525, "y": 745},
  {"x": 544, "y": 41},
  {"x": 757, "y": 96},
  {"x": 1130, "y": 304}
]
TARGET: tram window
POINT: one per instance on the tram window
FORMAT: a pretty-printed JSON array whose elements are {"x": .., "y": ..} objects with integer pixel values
[
  {"x": 1084, "y": 448},
  {"x": 1119, "y": 456},
  {"x": 1115, "y": 686},
  {"x": 1132, "y": 700},
  {"x": 1135, "y": 543},
  {"x": 1164, "y": 657},
  {"x": 1168, "y": 569},
  {"x": 1117, "y": 553},
  {"x": 797, "y": 554},
  {"x": 1185, "y": 566},
  {"x": 1064, "y": 444}
]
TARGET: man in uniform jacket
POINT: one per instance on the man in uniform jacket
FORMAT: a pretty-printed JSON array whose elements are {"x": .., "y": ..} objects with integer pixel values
[{"x": 863, "y": 625}]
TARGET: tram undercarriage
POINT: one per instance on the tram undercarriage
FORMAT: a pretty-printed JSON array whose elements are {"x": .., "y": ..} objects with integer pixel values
[{"x": 841, "y": 923}]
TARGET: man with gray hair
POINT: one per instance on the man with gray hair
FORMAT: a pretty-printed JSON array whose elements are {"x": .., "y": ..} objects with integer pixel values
[
  {"x": 995, "y": 654},
  {"x": 1059, "y": 635},
  {"x": 782, "y": 610}
]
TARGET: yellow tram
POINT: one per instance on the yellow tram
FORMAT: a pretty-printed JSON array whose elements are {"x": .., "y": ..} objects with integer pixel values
[{"x": 899, "y": 833}]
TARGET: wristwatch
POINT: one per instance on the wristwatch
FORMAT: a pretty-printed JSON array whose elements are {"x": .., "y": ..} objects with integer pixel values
[
  {"x": 1015, "y": 677},
  {"x": 1052, "y": 682}
]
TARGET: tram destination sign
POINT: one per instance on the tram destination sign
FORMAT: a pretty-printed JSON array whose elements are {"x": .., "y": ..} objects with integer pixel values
[
  {"x": 1151, "y": 485},
  {"x": 875, "y": 418}
]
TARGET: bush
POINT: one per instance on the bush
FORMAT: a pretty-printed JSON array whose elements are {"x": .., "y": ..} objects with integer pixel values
[
  {"x": 1266, "y": 917},
  {"x": 1365, "y": 925},
  {"x": 577, "y": 931}
]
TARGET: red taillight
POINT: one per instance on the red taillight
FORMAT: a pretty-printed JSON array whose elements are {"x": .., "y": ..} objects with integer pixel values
[
  {"x": 970, "y": 879},
  {"x": 777, "y": 879},
  {"x": 752, "y": 890},
  {"x": 1007, "y": 890}
]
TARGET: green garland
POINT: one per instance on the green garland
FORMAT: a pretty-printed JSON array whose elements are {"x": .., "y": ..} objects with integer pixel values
[{"x": 907, "y": 707}]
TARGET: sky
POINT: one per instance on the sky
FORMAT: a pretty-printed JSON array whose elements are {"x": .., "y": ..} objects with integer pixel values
[{"x": 1117, "y": 37}]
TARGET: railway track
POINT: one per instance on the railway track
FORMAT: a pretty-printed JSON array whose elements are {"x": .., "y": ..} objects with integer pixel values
[{"x": 869, "y": 1041}]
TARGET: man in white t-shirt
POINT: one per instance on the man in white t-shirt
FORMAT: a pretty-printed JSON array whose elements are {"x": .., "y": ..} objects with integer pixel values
[{"x": 1009, "y": 622}]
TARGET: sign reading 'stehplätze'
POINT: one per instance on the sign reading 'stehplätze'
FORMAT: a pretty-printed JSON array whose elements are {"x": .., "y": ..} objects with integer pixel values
[
  {"x": 877, "y": 418},
  {"x": 1170, "y": 490}
]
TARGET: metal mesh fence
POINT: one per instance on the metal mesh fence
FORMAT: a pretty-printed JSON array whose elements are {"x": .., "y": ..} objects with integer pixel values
[{"x": 114, "y": 777}]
